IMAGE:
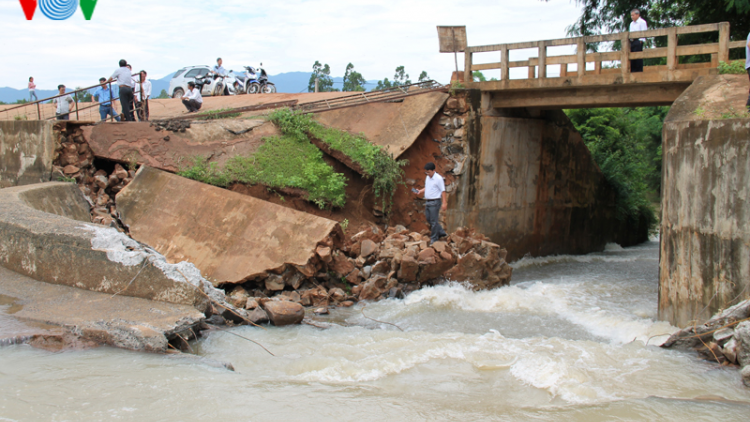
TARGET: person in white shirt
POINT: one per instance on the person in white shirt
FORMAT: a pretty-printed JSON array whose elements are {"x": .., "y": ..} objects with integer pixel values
[
  {"x": 636, "y": 45},
  {"x": 435, "y": 201},
  {"x": 192, "y": 99},
  {"x": 747, "y": 65},
  {"x": 125, "y": 81},
  {"x": 64, "y": 104},
  {"x": 141, "y": 102}
]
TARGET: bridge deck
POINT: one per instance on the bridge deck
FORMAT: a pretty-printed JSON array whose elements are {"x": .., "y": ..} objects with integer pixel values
[{"x": 584, "y": 82}]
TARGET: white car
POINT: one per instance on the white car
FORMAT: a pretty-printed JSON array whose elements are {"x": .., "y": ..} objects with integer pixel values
[{"x": 178, "y": 84}]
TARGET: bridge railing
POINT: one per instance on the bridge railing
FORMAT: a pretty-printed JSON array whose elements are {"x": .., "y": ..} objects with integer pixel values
[
  {"x": 538, "y": 66},
  {"x": 45, "y": 109}
]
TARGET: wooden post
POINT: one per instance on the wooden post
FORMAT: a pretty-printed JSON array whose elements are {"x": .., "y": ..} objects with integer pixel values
[
  {"x": 581, "y": 57},
  {"x": 564, "y": 70},
  {"x": 38, "y": 110},
  {"x": 724, "y": 42},
  {"x": 467, "y": 66},
  {"x": 625, "y": 58},
  {"x": 598, "y": 67},
  {"x": 715, "y": 60},
  {"x": 532, "y": 72},
  {"x": 76, "y": 98},
  {"x": 542, "y": 60},
  {"x": 504, "y": 63},
  {"x": 671, "y": 49}
]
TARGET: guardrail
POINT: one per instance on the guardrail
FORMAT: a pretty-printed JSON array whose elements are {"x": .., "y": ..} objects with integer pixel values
[
  {"x": 43, "y": 110},
  {"x": 538, "y": 65}
]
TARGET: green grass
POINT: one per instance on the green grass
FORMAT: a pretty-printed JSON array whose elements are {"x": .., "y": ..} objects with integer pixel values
[
  {"x": 281, "y": 162},
  {"x": 736, "y": 67},
  {"x": 214, "y": 114},
  {"x": 376, "y": 163}
]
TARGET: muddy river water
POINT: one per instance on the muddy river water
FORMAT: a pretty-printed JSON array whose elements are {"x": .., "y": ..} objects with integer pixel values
[{"x": 573, "y": 339}]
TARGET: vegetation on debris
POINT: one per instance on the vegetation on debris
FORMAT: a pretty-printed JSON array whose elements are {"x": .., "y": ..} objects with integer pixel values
[
  {"x": 626, "y": 144},
  {"x": 216, "y": 114},
  {"x": 736, "y": 67},
  {"x": 376, "y": 163},
  {"x": 281, "y": 162}
]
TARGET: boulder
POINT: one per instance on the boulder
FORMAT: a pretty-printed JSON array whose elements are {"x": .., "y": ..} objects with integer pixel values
[
  {"x": 730, "y": 350},
  {"x": 282, "y": 313},
  {"x": 440, "y": 246},
  {"x": 373, "y": 288},
  {"x": 368, "y": 248},
  {"x": 274, "y": 283},
  {"x": 120, "y": 172},
  {"x": 324, "y": 253},
  {"x": 258, "y": 316},
  {"x": 354, "y": 277},
  {"x": 251, "y": 303},
  {"x": 381, "y": 267},
  {"x": 745, "y": 372},
  {"x": 427, "y": 257},
  {"x": 71, "y": 169},
  {"x": 238, "y": 297},
  {"x": 742, "y": 336},
  {"x": 409, "y": 269},
  {"x": 341, "y": 265},
  {"x": 291, "y": 296}
]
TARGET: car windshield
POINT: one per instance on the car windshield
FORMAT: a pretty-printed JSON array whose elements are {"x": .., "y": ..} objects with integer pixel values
[{"x": 178, "y": 73}]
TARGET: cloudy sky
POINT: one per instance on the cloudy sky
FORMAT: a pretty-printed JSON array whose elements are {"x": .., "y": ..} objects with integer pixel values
[{"x": 289, "y": 35}]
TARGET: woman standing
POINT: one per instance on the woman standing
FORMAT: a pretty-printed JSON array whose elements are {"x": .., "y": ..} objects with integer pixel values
[{"x": 32, "y": 89}]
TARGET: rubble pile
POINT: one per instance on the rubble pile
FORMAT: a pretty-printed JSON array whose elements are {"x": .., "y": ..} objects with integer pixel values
[
  {"x": 74, "y": 159},
  {"x": 725, "y": 339},
  {"x": 374, "y": 265},
  {"x": 453, "y": 144}
]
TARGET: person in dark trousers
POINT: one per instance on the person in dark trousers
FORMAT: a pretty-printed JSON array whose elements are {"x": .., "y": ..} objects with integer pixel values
[
  {"x": 435, "y": 201},
  {"x": 103, "y": 95},
  {"x": 192, "y": 99},
  {"x": 64, "y": 103},
  {"x": 636, "y": 45},
  {"x": 747, "y": 66},
  {"x": 125, "y": 81}
]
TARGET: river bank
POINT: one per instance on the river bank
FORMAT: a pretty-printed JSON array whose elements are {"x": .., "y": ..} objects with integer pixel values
[{"x": 566, "y": 341}]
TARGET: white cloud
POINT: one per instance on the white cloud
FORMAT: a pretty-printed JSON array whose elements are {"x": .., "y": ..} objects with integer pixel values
[{"x": 164, "y": 35}]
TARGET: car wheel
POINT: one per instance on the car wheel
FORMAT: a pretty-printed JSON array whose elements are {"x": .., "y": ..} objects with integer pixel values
[
  {"x": 269, "y": 89},
  {"x": 253, "y": 88},
  {"x": 178, "y": 93}
]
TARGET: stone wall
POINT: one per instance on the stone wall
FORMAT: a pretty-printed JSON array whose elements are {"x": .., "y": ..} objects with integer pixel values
[
  {"x": 705, "y": 236},
  {"x": 532, "y": 186},
  {"x": 26, "y": 152}
]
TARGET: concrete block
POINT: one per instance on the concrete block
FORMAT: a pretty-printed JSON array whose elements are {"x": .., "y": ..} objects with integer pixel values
[
  {"x": 44, "y": 234},
  {"x": 230, "y": 237},
  {"x": 26, "y": 152}
]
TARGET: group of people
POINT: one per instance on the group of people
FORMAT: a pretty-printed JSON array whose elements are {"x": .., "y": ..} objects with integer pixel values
[
  {"x": 193, "y": 100},
  {"x": 133, "y": 92}
]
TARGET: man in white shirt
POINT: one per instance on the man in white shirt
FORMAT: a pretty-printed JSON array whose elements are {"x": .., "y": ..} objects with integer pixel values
[
  {"x": 435, "y": 201},
  {"x": 141, "y": 102},
  {"x": 125, "y": 81},
  {"x": 64, "y": 104},
  {"x": 636, "y": 45},
  {"x": 192, "y": 99},
  {"x": 747, "y": 65}
]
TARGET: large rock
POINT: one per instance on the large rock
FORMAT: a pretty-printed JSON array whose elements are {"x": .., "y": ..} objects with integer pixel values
[
  {"x": 283, "y": 313},
  {"x": 409, "y": 269},
  {"x": 742, "y": 336},
  {"x": 230, "y": 237}
]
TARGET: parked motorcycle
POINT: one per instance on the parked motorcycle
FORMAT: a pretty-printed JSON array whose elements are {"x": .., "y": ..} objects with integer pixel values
[
  {"x": 203, "y": 84},
  {"x": 235, "y": 84},
  {"x": 257, "y": 81},
  {"x": 219, "y": 86}
]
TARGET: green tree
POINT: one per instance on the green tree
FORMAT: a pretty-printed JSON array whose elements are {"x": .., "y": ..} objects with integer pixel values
[
  {"x": 163, "y": 94},
  {"x": 424, "y": 77},
  {"x": 626, "y": 144},
  {"x": 83, "y": 96},
  {"x": 399, "y": 78},
  {"x": 323, "y": 74},
  {"x": 353, "y": 80}
]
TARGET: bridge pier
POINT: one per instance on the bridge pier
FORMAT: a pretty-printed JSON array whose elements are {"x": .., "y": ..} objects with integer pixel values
[{"x": 532, "y": 185}]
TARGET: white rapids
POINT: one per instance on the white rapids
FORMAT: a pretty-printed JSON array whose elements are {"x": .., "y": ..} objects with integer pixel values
[{"x": 573, "y": 338}]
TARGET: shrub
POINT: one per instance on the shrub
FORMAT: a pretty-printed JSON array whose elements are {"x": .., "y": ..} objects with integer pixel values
[{"x": 736, "y": 67}]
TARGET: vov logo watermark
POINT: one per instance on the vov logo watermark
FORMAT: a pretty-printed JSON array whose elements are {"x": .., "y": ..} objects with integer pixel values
[{"x": 58, "y": 10}]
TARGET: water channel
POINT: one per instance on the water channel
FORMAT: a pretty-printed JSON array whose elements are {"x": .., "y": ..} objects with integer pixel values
[{"x": 574, "y": 338}]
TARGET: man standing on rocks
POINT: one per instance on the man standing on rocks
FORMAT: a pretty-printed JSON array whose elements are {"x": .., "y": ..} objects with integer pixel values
[
  {"x": 747, "y": 66},
  {"x": 125, "y": 81},
  {"x": 435, "y": 201},
  {"x": 192, "y": 99}
]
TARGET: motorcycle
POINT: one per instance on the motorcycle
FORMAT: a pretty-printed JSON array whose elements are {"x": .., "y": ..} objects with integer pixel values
[
  {"x": 203, "y": 82},
  {"x": 257, "y": 81},
  {"x": 235, "y": 84},
  {"x": 219, "y": 87}
]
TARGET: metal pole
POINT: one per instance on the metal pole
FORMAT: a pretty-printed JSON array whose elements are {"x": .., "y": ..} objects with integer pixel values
[
  {"x": 455, "y": 50},
  {"x": 38, "y": 110},
  {"x": 316, "y": 84},
  {"x": 76, "y": 98},
  {"x": 111, "y": 103}
]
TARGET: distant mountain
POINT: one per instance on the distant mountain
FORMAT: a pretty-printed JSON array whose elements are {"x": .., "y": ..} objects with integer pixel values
[{"x": 289, "y": 82}]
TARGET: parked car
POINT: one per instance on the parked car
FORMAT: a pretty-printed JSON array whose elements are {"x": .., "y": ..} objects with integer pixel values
[{"x": 178, "y": 84}]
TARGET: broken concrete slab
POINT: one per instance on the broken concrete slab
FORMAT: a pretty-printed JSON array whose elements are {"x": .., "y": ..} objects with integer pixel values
[
  {"x": 230, "y": 237},
  {"x": 26, "y": 152},
  {"x": 118, "y": 321},
  {"x": 45, "y": 234},
  {"x": 392, "y": 125},
  {"x": 149, "y": 144}
]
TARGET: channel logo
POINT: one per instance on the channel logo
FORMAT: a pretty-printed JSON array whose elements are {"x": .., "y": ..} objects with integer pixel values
[{"x": 58, "y": 10}]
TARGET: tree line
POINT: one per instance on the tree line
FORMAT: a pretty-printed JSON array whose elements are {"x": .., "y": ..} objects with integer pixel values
[{"x": 354, "y": 81}]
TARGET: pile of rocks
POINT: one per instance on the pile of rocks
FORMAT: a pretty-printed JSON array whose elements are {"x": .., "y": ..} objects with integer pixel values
[
  {"x": 74, "y": 159},
  {"x": 453, "y": 144},
  {"x": 373, "y": 265},
  {"x": 724, "y": 339}
]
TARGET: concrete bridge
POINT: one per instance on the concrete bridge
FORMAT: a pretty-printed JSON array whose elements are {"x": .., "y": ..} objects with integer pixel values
[{"x": 597, "y": 79}]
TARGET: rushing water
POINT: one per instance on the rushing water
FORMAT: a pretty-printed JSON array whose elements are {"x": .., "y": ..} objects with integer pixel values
[{"x": 567, "y": 341}]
